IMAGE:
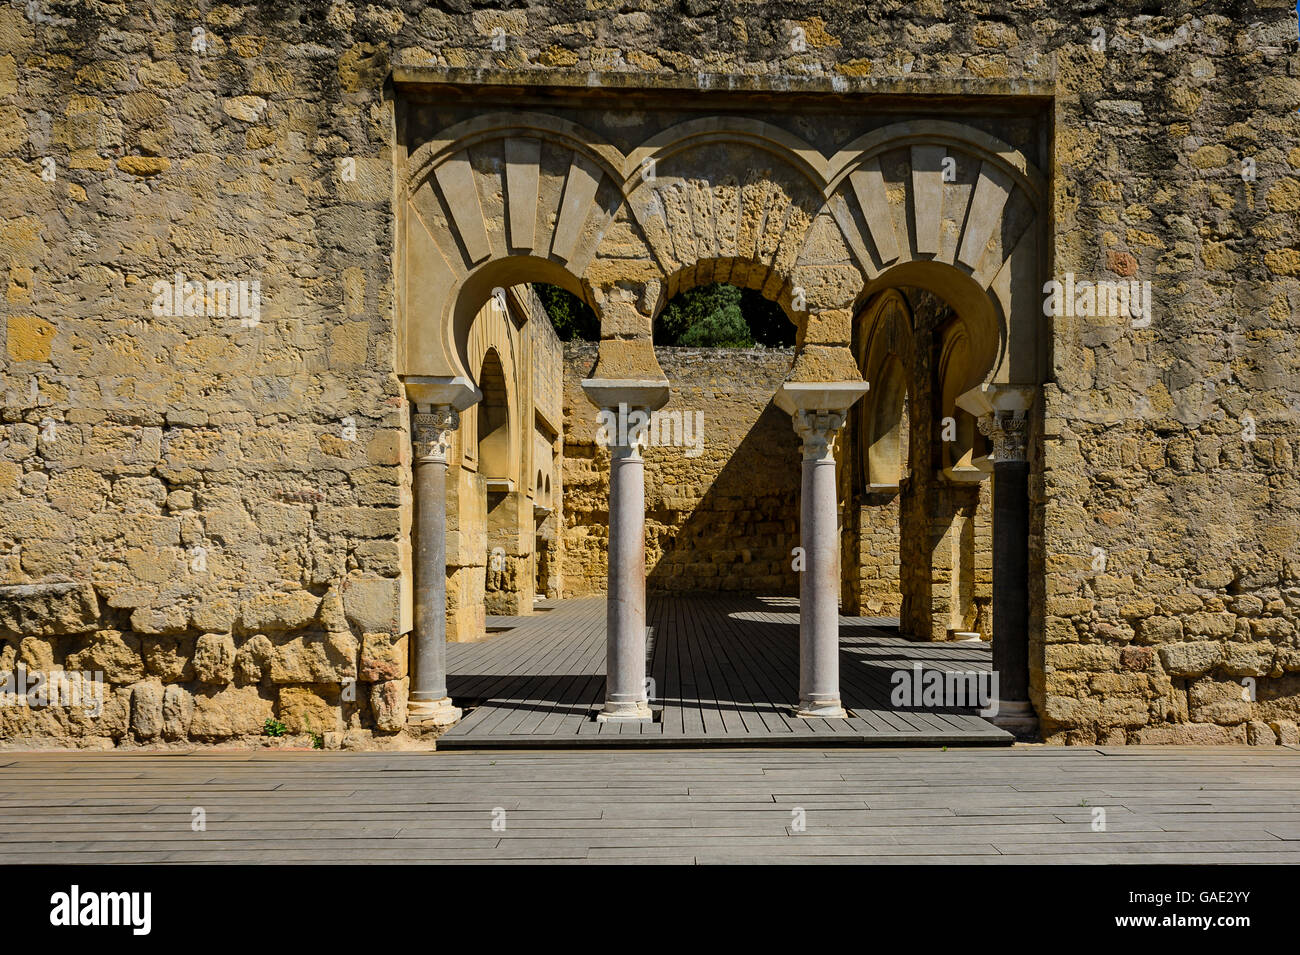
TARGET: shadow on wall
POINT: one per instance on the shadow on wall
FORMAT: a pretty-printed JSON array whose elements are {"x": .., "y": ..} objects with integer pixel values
[{"x": 738, "y": 536}]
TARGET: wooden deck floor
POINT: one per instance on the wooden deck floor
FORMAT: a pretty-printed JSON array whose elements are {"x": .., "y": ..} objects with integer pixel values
[
  {"x": 1028, "y": 805},
  {"x": 724, "y": 671}
]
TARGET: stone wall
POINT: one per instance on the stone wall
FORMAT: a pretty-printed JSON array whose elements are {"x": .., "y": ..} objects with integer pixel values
[
  {"x": 721, "y": 514},
  {"x": 215, "y": 512}
]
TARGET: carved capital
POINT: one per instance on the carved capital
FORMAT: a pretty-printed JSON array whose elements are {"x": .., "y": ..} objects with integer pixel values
[
  {"x": 817, "y": 430},
  {"x": 1009, "y": 431},
  {"x": 431, "y": 432}
]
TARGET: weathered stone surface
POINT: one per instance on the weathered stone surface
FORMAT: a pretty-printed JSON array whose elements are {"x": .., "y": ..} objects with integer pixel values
[
  {"x": 1211, "y": 701},
  {"x": 315, "y": 658},
  {"x": 1192, "y": 734},
  {"x": 310, "y": 709},
  {"x": 213, "y": 615},
  {"x": 388, "y": 703},
  {"x": 1191, "y": 659},
  {"x": 229, "y": 711},
  {"x": 214, "y": 658},
  {"x": 44, "y": 609},
  {"x": 115, "y": 654},
  {"x": 177, "y": 711},
  {"x": 371, "y": 603},
  {"x": 279, "y": 611},
  {"x": 1286, "y": 731},
  {"x": 383, "y": 657},
  {"x": 253, "y": 661},
  {"x": 147, "y": 710},
  {"x": 1259, "y": 733},
  {"x": 1248, "y": 659},
  {"x": 159, "y": 620},
  {"x": 171, "y": 659}
]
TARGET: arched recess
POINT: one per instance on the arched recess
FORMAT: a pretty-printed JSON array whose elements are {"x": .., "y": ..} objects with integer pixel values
[
  {"x": 957, "y": 374},
  {"x": 494, "y": 426},
  {"x": 495, "y": 420},
  {"x": 887, "y": 427},
  {"x": 885, "y": 353}
]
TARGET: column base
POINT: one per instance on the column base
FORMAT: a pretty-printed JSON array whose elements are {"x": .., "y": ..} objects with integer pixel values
[
  {"x": 436, "y": 712},
  {"x": 820, "y": 710},
  {"x": 1015, "y": 716},
  {"x": 624, "y": 712}
]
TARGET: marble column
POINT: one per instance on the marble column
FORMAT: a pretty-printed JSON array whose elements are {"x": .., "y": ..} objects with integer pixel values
[
  {"x": 432, "y": 426},
  {"x": 625, "y": 408},
  {"x": 818, "y": 411},
  {"x": 1008, "y": 431},
  {"x": 819, "y": 584}
]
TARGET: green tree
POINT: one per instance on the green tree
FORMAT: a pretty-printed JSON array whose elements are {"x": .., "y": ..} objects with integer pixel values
[
  {"x": 570, "y": 315},
  {"x": 722, "y": 316}
]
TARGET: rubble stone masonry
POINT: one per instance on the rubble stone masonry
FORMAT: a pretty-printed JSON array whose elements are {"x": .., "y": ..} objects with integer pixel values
[{"x": 204, "y": 491}]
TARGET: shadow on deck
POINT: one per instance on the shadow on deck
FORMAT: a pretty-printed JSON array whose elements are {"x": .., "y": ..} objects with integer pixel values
[{"x": 723, "y": 670}]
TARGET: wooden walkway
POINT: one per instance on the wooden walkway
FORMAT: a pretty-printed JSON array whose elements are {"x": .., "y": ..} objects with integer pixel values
[
  {"x": 1028, "y": 805},
  {"x": 725, "y": 671}
]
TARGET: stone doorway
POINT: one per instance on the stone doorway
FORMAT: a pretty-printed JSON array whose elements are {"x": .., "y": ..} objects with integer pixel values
[{"x": 821, "y": 204}]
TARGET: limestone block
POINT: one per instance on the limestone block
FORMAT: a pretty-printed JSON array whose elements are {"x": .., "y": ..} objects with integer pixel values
[
  {"x": 1192, "y": 734},
  {"x": 1213, "y": 701},
  {"x": 1287, "y": 732},
  {"x": 115, "y": 654},
  {"x": 169, "y": 658},
  {"x": 371, "y": 604},
  {"x": 1121, "y": 711},
  {"x": 214, "y": 658},
  {"x": 315, "y": 658},
  {"x": 213, "y": 615},
  {"x": 229, "y": 711},
  {"x": 38, "y": 654},
  {"x": 147, "y": 710},
  {"x": 383, "y": 657},
  {"x": 291, "y": 610},
  {"x": 310, "y": 709},
  {"x": 253, "y": 661},
  {"x": 1248, "y": 659},
  {"x": 1259, "y": 733},
  {"x": 388, "y": 703},
  {"x": 43, "y": 609},
  {"x": 177, "y": 712},
  {"x": 159, "y": 620},
  {"x": 1083, "y": 657},
  {"x": 1191, "y": 659}
]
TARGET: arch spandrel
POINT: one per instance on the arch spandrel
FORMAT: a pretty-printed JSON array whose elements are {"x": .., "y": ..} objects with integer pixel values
[
  {"x": 947, "y": 207},
  {"x": 495, "y": 201}
]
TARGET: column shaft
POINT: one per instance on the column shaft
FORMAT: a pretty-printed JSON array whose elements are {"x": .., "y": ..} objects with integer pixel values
[
  {"x": 1011, "y": 579},
  {"x": 1009, "y": 431},
  {"x": 819, "y": 626},
  {"x": 429, "y": 681},
  {"x": 819, "y": 583},
  {"x": 428, "y": 699},
  {"x": 625, "y": 695}
]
